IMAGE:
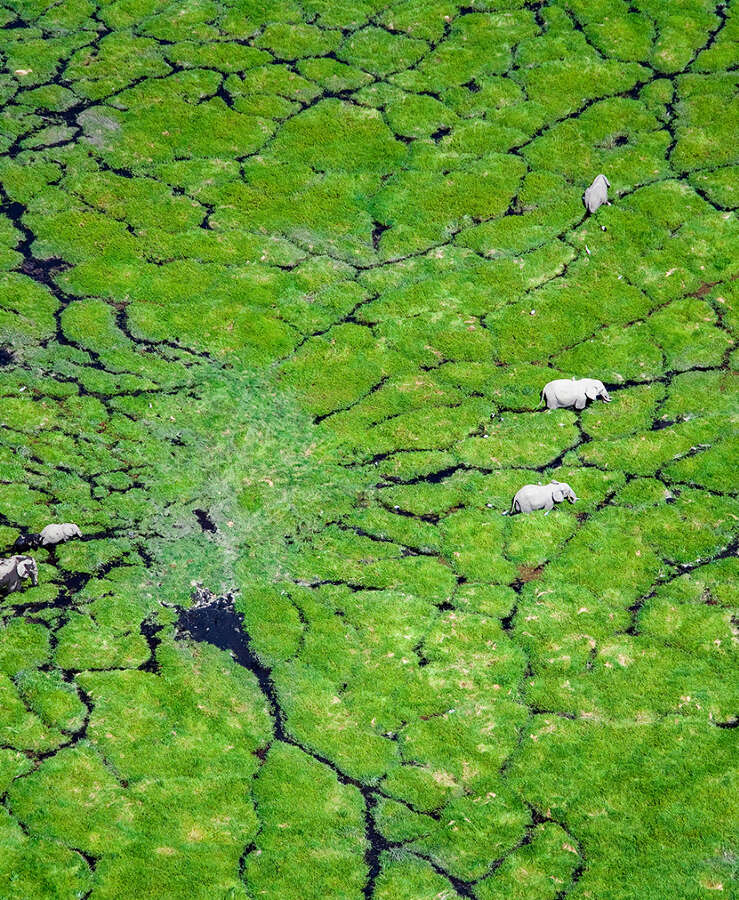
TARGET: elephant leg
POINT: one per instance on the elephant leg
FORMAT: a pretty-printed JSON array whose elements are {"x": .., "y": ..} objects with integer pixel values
[
  {"x": 548, "y": 506},
  {"x": 580, "y": 403}
]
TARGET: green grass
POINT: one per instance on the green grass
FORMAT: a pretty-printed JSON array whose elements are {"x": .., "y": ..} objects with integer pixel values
[{"x": 301, "y": 270}]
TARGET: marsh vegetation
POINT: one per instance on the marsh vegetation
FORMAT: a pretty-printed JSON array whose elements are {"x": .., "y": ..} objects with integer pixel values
[{"x": 280, "y": 287}]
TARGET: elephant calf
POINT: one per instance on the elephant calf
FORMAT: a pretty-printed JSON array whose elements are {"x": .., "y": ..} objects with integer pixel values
[
  {"x": 14, "y": 571},
  {"x": 540, "y": 496},
  {"x": 597, "y": 194},
  {"x": 564, "y": 393},
  {"x": 52, "y": 534}
]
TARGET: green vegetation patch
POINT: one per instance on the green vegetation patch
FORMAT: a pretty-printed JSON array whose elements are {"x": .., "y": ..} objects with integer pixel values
[{"x": 280, "y": 287}]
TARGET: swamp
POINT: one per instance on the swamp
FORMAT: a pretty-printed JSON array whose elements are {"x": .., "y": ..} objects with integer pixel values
[{"x": 281, "y": 284}]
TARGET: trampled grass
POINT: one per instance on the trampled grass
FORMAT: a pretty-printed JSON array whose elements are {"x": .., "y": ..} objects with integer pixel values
[{"x": 280, "y": 286}]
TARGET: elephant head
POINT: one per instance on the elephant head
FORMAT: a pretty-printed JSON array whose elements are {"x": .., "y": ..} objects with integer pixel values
[
  {"x": 562, "y": 491},
  {"x": 27, "y": 568},
  {"x": 595, "y": 388}
]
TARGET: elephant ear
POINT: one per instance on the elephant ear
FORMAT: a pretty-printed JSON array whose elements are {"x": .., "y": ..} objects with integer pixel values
[
  {"x": 592, "y": 391},
  {"x": 558, "y": 495}
]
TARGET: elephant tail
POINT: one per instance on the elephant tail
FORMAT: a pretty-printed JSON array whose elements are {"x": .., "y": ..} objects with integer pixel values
[
  {"x": 512, "y": 511},
  {"x": 542, "y": 399}
]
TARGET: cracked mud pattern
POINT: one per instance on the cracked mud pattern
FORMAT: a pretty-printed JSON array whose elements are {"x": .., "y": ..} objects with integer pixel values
[{"x": 280, "y": 285}]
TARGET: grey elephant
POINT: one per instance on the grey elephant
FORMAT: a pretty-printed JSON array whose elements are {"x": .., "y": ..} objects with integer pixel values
[
  {"x": 540, "y": 496},
  {"x": 15, "y": 570},
  {"x": 597, "y": 194},
  {"x": 50, "y": 535},
  {"x": 566, "y": 393}
]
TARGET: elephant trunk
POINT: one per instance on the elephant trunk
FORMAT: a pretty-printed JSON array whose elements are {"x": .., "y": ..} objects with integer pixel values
[{"x": 32, "y": 571}]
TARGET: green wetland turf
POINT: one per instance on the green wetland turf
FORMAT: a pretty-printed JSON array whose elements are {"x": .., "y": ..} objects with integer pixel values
[{"x": 280, "y": 284}]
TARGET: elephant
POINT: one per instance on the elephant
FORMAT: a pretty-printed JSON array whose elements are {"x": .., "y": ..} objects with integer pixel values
[
  {"x": 50, "y": 535},
  {"x": 15, "y": 570},
  {"x": 597, "y": 194},
  {"x": 540, "y": 496},
  {"x": 563, "y": 393}
]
